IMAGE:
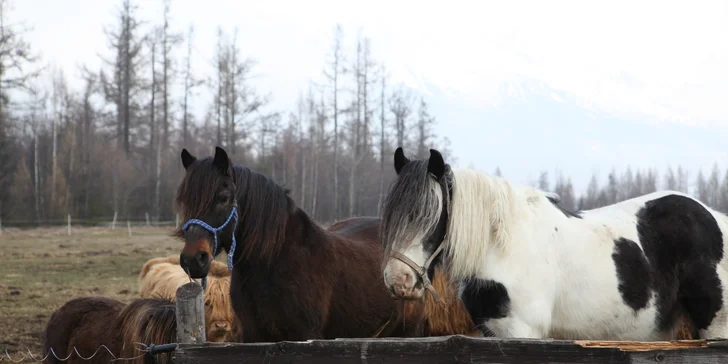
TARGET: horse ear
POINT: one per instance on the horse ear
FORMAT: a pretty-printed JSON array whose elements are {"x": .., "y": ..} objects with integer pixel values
[
  {"x": 399, "y": 160},
  {"x": 436, "y": 165},
  {"x": 187, "y": 158},
  {"x": 222, "y": 161}
]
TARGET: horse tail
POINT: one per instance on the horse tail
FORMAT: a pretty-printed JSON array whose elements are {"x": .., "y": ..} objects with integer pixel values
[{"x": 147, "y": 321}]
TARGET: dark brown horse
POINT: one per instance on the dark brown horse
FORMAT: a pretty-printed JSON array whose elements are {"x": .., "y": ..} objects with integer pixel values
[
  {"x": 292, "y": 279},
  {"x": 426, "y": 317},
  {"x": 87, "y": 323}
]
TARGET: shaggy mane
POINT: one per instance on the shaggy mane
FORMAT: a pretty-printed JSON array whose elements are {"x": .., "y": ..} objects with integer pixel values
[
  {"x": 147, "y": 321},
  {"x": 263, "y": 208},
  {"x": 482, "y": 212}
]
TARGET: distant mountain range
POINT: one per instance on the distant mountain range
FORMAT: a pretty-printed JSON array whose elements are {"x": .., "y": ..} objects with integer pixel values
[{"x": 531, "y": 127}]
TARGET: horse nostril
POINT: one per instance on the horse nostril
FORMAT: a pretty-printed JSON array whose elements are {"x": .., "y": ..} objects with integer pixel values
[
  {"x": 408, "y": 278},
  {"x": 202, "y": 258},
  {"x": 183, "y": 261}
]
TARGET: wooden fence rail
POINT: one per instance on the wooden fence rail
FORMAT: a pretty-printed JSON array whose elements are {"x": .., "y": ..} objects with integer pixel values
[
  {"x": 454, "y": 349},
  {"x": 191, "y": 347}
]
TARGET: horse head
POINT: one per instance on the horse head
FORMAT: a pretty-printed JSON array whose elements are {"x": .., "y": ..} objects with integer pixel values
[
  {"x": 415, "y": 220},
  {"x": 207, "y": 197}
]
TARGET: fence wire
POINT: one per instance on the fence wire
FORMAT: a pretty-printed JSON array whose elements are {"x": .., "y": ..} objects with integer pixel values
[{"x": 144, "y": 349}]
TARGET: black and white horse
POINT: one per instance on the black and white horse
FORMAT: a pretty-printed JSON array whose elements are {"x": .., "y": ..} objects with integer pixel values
[{"x": 529, "y": 268}]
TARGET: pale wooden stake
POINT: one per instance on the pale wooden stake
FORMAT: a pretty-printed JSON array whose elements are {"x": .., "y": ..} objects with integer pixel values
[{"x": 190, "y": 314}]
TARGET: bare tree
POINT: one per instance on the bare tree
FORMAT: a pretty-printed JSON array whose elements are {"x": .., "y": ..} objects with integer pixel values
[
  {"x": 425, "y": 123},
  {"x": 157, "y": 131},
  {"x": 382, "y": 137},
  {"x": 189, "y": 84},
  {"x": 671, "y": 182},
  {"x": 400, "y": 104},
  {"x": 169, "y": 41},
  {"x": 714, "y": 186},
  {"x": 702, "y": 187},
  {"x": 15, "y": 57},
  {"x": 543, "y": 181},
  {"x": 123, "y": 87},
  {"x": 221, "y": 62},
  {"x": 336, "y": 69}
]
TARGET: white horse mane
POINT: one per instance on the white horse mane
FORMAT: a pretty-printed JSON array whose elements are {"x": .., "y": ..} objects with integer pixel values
[{"x": 483, "y": 212}]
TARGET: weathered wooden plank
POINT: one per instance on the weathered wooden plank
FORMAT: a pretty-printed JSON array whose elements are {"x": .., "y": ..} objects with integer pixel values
[
  {"x": 190, "y": 312},
  {"x": 451, "y": 349},
  {"x": 644, "y": 346}
]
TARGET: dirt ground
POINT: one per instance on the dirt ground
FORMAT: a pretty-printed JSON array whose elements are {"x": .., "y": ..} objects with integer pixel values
[{"x": 41, "y": 269}]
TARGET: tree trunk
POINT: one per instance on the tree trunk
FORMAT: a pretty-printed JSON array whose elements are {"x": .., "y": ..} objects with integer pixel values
[
  {"x": 127, "y": 79},
  {"x": 36, "y": 173},
  {"x": 156, "y": 133},
  {"x": 165, "y": 84},
  {"x": 356, "y": 131},
  {"x": 233, "y": 101},
  {"x": 54, "y": 156},
  {"x": 220, "y": 80},
  {"x": 382, "y": 140},
  {"x": 188, "y": 81}
]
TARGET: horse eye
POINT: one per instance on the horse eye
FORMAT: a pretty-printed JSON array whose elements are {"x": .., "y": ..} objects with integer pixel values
[{"x": 223, "y": 197}]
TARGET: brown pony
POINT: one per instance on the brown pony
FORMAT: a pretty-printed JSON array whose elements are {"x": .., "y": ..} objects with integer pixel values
[
  {"x": 87, "y": 323},
  {"x": 292, "y": 279},
  {"x": 160, "y": 279},
  {"x": 428, "y": 318}
]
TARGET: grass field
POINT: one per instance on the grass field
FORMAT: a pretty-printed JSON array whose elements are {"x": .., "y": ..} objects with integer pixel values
[{"x": 41, "y": 269}]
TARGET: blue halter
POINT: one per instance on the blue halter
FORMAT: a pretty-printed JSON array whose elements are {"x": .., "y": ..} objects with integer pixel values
[{"x": 233, "y": 213}]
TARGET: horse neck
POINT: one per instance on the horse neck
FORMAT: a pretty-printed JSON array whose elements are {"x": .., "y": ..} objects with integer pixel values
[
  {"x": 266, "y": 250},
  {"x": 486, "y": 213}
]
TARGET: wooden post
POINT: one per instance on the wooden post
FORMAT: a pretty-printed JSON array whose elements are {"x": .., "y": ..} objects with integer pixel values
[
  {"x": 146, "y": 214},
  {"x": 128, "y": 227},
  {"x": 69, "y": 224},
  {"x": 113, "y": 223},
  {"x": 176, "y": 220},
  {"x": 190, "y": 314}
]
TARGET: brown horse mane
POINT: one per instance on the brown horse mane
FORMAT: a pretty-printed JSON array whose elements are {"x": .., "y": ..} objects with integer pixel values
[
  {"x": 147, "y": 321},
  {"x": 263, "y": 206}
]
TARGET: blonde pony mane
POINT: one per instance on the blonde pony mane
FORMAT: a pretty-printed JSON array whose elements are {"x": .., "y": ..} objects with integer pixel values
[{"x": 482, "y": 212}]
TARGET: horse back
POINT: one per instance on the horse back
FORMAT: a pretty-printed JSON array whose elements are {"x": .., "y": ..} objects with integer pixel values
[
  {"x": 82, "y": 323},
  {"x": 358, "y": 229}
]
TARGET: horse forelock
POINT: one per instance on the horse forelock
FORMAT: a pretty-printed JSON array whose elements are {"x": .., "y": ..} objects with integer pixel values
[
  {"x": 196, "y": 193},
  {"x": 412, "y": 207}
]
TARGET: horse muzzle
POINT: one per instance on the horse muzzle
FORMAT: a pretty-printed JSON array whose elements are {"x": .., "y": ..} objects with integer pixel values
[
  {"x": 197, "y": 265},
  {"x": 402, "y": 282}
]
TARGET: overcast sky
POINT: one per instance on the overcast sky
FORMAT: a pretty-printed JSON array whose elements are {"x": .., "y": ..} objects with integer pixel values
[{"x": 649, "y": 77}]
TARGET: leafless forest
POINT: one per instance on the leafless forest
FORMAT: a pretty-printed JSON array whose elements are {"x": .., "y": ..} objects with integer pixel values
[{"x": 113, "y": 145}]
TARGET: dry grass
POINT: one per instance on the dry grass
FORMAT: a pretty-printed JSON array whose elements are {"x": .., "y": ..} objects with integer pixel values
[{"x": 41, "y": 269}]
